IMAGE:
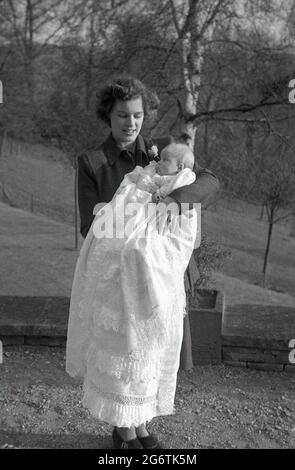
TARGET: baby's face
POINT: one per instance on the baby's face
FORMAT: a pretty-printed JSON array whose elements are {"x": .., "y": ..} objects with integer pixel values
[{"x": 168, "y": 164}]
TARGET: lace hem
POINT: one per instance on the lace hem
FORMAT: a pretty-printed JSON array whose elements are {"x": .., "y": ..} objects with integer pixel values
[
  {"x": 122, "y": 414},
  {"x": 154, "y": 333},
  {"x": 91, "y": 304},
  {"x": 127, "y": 368},
  {"x": 107, "y": 319},
  {"x": 75, "y": 372}
]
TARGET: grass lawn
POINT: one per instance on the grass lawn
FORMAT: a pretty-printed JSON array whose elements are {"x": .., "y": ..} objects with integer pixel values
[
  {"x": 37, "y": 256},
  {"x": 246, "y": 238}
]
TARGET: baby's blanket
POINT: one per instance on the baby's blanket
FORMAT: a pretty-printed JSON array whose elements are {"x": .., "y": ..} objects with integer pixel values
[{"x": 129, "y": 276}]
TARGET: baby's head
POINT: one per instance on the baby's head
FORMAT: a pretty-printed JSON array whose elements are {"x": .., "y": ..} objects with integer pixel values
[{"x": 174, "y": 158}]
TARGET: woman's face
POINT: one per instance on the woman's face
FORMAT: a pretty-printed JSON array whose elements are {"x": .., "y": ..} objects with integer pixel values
[{"x": 126, "y": 120}]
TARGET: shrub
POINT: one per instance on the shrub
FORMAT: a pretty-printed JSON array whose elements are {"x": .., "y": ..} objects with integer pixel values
[{"x": 209, "y": 257}]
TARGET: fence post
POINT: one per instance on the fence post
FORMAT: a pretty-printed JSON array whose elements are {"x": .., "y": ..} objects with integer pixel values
[{"x": 3, "y": 142}]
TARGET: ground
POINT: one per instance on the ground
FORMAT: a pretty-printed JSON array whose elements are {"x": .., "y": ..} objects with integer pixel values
[{"x": 216, "y": 407}]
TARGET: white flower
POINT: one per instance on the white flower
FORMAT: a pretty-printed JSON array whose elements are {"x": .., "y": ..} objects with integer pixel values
[{"x": 153, "y": 152}]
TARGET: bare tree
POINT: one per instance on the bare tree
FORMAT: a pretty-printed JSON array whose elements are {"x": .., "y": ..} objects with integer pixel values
[
  {"x": 194, "y": 23},
  {"x": 270, "y": 181}
]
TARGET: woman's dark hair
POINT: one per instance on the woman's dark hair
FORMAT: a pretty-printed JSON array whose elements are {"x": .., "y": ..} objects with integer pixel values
[{"x": 125, "y": 88}]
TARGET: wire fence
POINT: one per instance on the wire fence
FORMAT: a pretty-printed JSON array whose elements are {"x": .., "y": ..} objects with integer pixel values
[{"x": 24, "y": 184}]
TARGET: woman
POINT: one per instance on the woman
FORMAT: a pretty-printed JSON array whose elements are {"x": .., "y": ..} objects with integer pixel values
[{"x": 123, "y": 105}]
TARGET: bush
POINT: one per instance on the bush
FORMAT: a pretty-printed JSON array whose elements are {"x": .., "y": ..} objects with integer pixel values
[{"x": 209, "y": 257}]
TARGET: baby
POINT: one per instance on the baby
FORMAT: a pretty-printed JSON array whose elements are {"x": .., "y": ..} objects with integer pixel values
[
  {"x": 174, "y": 158},
  {"x": 158, "y": 179}
]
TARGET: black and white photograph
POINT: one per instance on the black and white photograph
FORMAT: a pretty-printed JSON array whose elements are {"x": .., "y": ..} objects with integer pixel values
[{"x": 147, "y": 228}]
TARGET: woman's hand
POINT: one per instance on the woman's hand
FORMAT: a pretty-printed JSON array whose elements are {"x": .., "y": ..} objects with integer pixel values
[
  {"x": 172, "y": 206},
  {"x": 156, "y": 197},
  {"x": 98, "y": 206},
  {"x": 168, "y": 200},
  {"x": 175, "y": 207}
]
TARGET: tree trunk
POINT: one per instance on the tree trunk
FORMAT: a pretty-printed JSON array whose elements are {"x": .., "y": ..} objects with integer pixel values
[
  {"x": 192, "y": 55},
  {"x": 207, "y": 157},
  {"x": 192, "y": 59},
  {"x": 261, "y": 212},
  {"x": 270, "y": 227},
  {"x": 90, "y": 56},
  {"x": 76, "y": 205},
  {"x": 195, "y": 30},
  {"x": 3, "y": 143},
  {"x": 29, "y": 55},
  {"x": 250, "y": 130}
]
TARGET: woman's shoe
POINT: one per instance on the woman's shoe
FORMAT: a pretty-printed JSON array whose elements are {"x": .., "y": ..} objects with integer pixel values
[
  {"x": 120, "y": 443},
  {"x": 150, "y": 442}
]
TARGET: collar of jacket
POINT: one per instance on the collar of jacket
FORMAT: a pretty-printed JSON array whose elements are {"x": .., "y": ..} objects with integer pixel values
[{"x": 112, "y": 151}]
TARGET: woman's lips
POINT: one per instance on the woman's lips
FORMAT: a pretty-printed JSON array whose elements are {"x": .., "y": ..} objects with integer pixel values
[{"x": 129, "y": 132}]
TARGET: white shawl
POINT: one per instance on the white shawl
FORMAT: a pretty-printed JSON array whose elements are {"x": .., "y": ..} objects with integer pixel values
[{"x": 131, "y": 284}]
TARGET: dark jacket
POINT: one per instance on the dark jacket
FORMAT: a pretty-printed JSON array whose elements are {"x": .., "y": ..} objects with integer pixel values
[{"x": 101, "y": 170}]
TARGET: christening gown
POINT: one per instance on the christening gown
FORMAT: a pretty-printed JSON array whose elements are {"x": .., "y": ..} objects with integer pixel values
[{"x": 128, "y": 301}]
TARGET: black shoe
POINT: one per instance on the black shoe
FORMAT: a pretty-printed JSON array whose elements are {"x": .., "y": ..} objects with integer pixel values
[
  {"x": 150, "y": 442},
  {"x": 119, "y": 443}
]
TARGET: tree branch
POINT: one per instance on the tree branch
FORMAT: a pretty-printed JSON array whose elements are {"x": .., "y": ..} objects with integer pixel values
[
  {"x": 174, "y": 16},
  {"x": 211, "y": 18},
  {"x": 255, "y": 121},
  {"x": 243, "y": 108}
]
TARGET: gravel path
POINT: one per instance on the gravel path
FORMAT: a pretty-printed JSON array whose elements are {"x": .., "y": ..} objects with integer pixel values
[{"x": 216, "y": 407}]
